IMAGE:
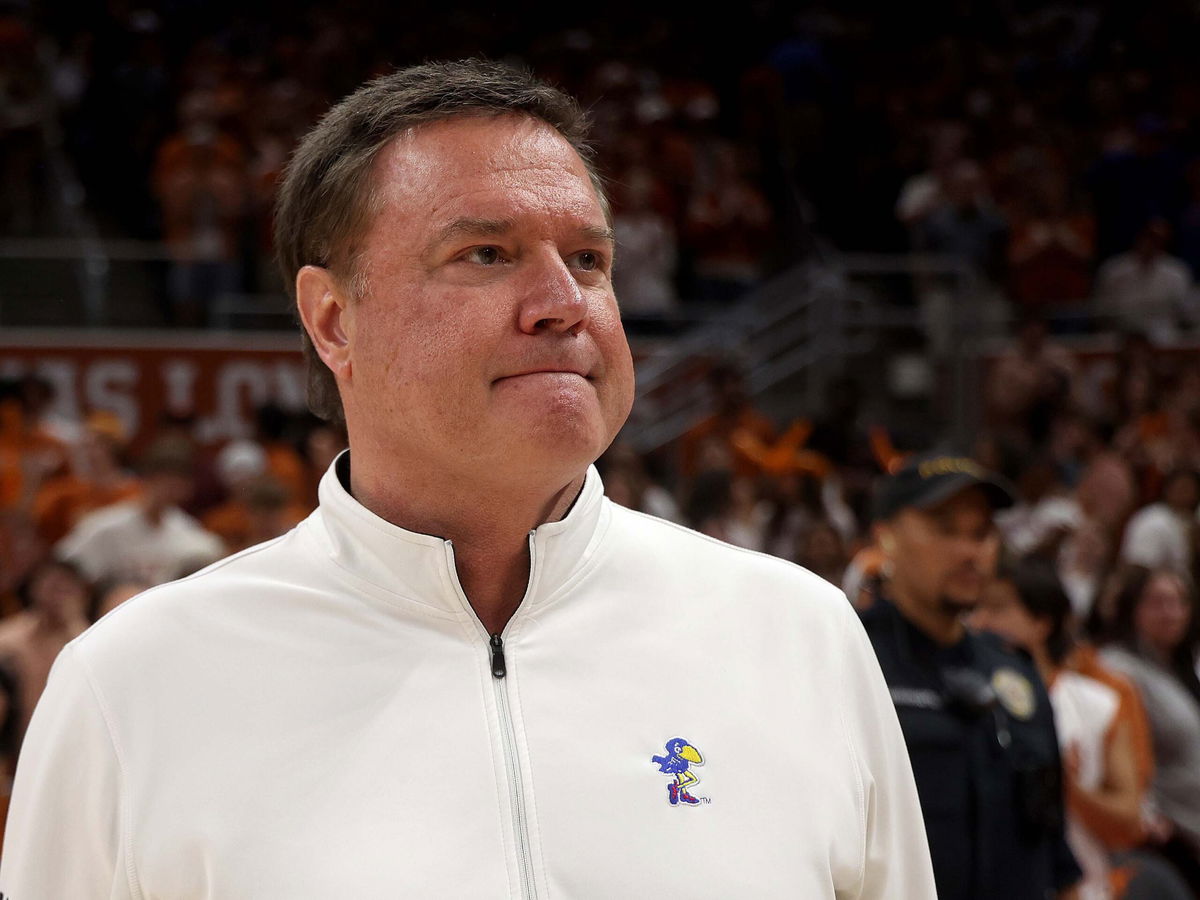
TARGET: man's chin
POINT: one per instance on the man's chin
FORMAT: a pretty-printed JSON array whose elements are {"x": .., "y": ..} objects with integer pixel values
[{"x": 957, "y": 605}]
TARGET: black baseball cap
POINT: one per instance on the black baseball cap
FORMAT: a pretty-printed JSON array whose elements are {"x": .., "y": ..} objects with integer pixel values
[{"x": 927, "y": 479}]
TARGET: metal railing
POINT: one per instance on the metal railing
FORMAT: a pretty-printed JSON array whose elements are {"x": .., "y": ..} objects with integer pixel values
[
  {"x": 792, "y": 337},
  {"x": 797, "y": 333},
  {"x": 104, "y": 283}
]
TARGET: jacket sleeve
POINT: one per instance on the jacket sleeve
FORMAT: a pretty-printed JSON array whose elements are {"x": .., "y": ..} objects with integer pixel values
[
  {"x": 896, "y": 862},
  {"x": 64, "y": 835}
]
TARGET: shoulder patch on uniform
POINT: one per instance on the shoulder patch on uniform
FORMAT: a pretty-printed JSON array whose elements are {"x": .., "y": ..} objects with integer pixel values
[{"x": 1014, "y": 692}]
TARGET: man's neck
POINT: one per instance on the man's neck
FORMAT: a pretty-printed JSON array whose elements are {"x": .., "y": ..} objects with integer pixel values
[
  {"x": 940, "y": 625},
  {"x": 487, "y": 524}
]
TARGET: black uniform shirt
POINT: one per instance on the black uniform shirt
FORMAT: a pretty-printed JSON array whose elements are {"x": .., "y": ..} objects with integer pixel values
[{"x": 984, "y": 752}]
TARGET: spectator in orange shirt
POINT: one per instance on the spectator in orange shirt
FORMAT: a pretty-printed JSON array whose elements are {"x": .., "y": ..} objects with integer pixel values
[
  {"x": 258, "y": 508},
  {"x": 201, "y": 179},
  {"x": 96, "y": 479},
  {"x": 1085, "y": 660},
  {"x": 28, "y": 453}
]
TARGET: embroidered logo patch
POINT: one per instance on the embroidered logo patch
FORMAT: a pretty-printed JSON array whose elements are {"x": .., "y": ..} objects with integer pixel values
[{"x": 678, "y": 762}]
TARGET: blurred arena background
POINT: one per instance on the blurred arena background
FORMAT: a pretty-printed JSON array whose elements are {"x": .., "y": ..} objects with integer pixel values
[{"x": 846, "y": 232}]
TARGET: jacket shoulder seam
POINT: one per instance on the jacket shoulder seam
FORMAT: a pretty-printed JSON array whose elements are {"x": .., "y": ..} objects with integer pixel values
[
  {"x": 167, "y": 585},
  {"x": 712, "y": 540}
]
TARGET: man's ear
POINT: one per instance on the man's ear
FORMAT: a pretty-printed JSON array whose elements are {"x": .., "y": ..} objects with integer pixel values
[{"x": 328, "y": 317}]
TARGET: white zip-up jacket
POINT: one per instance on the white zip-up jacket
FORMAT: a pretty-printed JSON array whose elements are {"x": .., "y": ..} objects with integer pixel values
[{"x": 324, "y": 716}]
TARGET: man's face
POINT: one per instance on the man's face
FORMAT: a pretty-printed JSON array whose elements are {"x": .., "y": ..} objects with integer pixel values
[
  {"x": 488, "y": 339},
  {"x": 58, "y": 593},
  {"x": 943, "y": 556}
]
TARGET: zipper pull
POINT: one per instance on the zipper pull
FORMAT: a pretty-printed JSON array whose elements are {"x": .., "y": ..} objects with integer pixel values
[{"x": 497, "y": 644}]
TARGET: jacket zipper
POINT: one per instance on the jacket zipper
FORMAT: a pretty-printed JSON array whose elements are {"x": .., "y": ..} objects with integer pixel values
[
  {"x": 508, "y": 735},
  {"x": 517, "y": 795}
]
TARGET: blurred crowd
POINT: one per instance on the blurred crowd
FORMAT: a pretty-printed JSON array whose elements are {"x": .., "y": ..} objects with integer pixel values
[
  {"x": 1053, "y": 149},
  {"x": 179, "y": 121}
]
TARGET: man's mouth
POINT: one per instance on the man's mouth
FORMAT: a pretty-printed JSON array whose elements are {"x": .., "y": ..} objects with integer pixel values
[{"x": 546, "y": 371}]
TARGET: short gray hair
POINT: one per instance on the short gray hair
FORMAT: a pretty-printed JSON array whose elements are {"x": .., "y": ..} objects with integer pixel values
[{"x": 324, "y": 205}]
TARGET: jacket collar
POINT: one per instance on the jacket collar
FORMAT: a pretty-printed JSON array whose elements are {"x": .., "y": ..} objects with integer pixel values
[{"x": 420, "y": 567}]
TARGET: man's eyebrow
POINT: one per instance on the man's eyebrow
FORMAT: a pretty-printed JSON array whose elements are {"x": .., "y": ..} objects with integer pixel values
[
  {"x": 469, "y": 226},
  {"x": 473, "y": 227},
  {"x": 598, "y": 233}
]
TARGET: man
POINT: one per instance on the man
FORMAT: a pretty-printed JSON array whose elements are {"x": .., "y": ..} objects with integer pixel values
[
  {"x": 451, "y": 680},
  {"x": 1146, "y": 289},
  {"x": 257, "y": 509},
  {"x": 148, "y": 538},
  {"x": 1029, "y": 386},
  {"x": 96, "y": 479},
  {"x": 976, "y": 717},
  {"x": 1162, "y": 535}
]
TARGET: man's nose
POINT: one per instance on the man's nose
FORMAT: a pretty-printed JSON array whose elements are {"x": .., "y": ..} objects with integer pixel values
[
  {"x": 553, "y": 299},
  {"x": 974, "y": 551}
]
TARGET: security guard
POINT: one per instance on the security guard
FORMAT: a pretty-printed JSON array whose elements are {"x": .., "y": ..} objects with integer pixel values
[{"x": 976, "y": 717}]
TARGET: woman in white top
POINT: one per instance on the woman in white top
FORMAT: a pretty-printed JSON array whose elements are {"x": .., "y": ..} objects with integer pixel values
[{"x": 1027, "y": 606}]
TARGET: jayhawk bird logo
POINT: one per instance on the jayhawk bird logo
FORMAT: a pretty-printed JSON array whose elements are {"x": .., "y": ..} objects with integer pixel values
[{"x": 681, "y": 756}]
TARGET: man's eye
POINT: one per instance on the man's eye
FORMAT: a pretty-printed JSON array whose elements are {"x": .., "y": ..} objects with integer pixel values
[
  {"x": 587, "y": 260},
  {"x": 485, "y": 256}
]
